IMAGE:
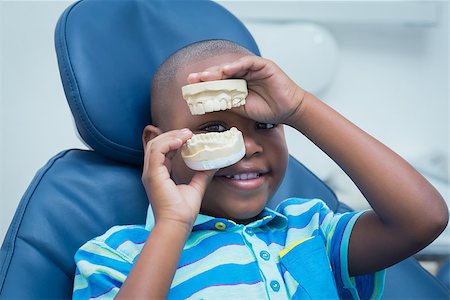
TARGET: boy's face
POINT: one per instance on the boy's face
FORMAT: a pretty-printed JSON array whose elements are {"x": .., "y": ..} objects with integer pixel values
[{"x": 266, "y": 155}]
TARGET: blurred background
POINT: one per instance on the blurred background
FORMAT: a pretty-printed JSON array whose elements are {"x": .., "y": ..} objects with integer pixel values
[{"x": 383, "y": 65}]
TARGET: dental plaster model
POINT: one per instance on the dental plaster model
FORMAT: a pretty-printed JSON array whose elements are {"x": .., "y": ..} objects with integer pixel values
[
  {"x": 209, "y": 96},
  {"x": 213, "y": 150}
]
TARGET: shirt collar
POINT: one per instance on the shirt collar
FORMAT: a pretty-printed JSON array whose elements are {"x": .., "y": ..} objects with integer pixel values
[{"x": 204, "y": 222}]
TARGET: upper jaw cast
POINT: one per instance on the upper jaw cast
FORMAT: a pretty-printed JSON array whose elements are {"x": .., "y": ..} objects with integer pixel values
[{"x": 209, "y": 96}]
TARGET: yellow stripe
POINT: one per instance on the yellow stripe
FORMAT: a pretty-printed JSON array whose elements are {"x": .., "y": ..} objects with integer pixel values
[
  {"x": 375, "y": 294},
  {"x": 199, "y": 239},
  {"x": 287, "y": 249},
  {"x": 330, "y": 233}
]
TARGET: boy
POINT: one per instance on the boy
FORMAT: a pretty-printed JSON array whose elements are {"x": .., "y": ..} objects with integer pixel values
[{"x": 235, "y": 247}]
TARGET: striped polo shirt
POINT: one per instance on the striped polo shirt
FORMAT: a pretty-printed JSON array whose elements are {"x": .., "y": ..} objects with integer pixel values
[{"x": 298, "y": 251}]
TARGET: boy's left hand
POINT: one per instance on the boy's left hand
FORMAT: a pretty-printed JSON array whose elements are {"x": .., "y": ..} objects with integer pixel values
[{"x": 273, "y": 97}]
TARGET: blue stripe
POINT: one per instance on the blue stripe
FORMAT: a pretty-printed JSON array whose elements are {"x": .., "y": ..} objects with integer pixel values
[
  {"x": 99, "y": 260},
  {"x": 294, "y": 201},
  {"x": 302, "y": 220},
  {"x": 322, "y": 214},
  {"x": 220, "y": 275},
  {"x": 81, "y": 294},
  {"x": 210, "y": 225},
  {"x": 209, "y": 245},
  {"x": 335, "y": 254},
  {"x": 104, "y": 284},
  {"x": 273, "y": 236},
  {"x": 136, "y": 235}
]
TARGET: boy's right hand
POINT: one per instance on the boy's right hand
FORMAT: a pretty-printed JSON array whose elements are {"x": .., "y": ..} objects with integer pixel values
[
  {"x": 273, "y": 97},
  {"x": 171, "y": 202}
]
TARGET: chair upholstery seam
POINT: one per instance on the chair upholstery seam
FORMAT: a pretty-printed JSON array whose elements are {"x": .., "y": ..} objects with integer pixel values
[{"x": 20, "y": 212}]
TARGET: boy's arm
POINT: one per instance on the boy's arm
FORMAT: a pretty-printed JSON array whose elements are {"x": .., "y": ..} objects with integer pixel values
[
  {"x": 175, "y": 208},
  {"x": 152, "y": 274},
  {"x": 408, "y": 213}
]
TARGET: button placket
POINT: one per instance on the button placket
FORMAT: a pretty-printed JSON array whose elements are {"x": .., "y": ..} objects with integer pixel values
[{"x": 267, "y": 266}]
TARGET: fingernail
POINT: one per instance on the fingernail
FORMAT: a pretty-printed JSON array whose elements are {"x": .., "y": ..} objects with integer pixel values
[
  {"x": 183, "y": 132},
  {"x": 206, "y": 73}
]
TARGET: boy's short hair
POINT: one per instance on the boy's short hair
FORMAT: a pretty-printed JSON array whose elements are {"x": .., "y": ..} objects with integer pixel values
[{"x": 166, "y": 73}]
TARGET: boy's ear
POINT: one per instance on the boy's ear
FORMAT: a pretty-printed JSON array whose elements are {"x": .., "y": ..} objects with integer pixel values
[{"x": 149, "y": 133}]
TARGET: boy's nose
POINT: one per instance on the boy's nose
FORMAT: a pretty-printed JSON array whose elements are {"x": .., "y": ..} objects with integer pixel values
[{"x": 252, "y": 147}]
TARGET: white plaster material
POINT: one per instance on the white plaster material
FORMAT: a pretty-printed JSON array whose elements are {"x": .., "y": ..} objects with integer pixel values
[
  {"x": 213, "y": 150},
  {"x": 217, "y": 95}
]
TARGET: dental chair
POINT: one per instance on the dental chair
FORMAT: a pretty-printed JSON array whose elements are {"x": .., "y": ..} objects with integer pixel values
[{"x": 107, "y": 52}]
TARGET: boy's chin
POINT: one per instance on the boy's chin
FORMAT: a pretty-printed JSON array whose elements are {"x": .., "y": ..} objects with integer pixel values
[{"x": 241, "y": 213}]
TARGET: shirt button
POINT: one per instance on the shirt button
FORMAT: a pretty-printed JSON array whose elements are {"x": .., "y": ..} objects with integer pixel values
[
  {"x": 275, "y": 285},
  {"x": 264, "y": 255},
  {"x": 249, "y": 231},
  {"x": 220, "y": 226}
]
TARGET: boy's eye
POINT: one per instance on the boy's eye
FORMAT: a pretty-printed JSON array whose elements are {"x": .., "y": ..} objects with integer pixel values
[
  {"x": 265, "y": 125},
  {"x": 214, "y": 128}
]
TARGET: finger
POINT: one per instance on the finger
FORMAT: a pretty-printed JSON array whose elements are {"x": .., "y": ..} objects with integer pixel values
[
  {"x": 214, "y": 74},
  {"x": 249, "y": 67},
  {"x": 157, "y": 148},
  {"x": 200, "y": 180},
  {"x": 211, "y": 73}
]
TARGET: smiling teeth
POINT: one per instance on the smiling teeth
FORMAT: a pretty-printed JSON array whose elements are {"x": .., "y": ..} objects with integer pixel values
[
  {"x": 214, "y": 150},
  {"x": 245, "y": 176},
  {"x": 217, "y": 95}
]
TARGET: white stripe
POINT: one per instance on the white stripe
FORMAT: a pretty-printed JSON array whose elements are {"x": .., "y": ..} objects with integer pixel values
[
  {"x": 231, "y": 254},
  {"x": 301, "y": 208},
  {"x": 327, "y": 223},
  {"x": 196, "y": 237},
  {"x": 93, "y": 247},
  {"x": 291, "y": 284},
  {"x": 297, "y": 234},
  {"x": 87, "y": 269},
  {"x": 238, "y": 291},
  {"x": 79, "y": 282},
  {"x": 116, "y": 229},
  {"x": 130, "y": 249},
  {"x": 275, "y": 248}
]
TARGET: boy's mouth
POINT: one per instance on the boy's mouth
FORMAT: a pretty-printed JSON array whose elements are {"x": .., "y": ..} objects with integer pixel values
[
  {"x": 244, "y": 176},
  {"x": 243, "y": 180}
]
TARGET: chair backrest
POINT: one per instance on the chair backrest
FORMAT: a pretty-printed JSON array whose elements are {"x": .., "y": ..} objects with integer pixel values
[
  {"x": 107, "y": 52},
  {"x": 118, "y": 45}
]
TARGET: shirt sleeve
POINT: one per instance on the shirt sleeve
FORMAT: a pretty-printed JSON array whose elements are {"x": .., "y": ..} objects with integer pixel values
[
  {"x": 337, "y": 229},
  {"x": 100, "y": 271}
]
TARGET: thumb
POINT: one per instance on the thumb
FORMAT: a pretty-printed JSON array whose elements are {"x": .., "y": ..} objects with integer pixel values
[{"x": 201, "y": 180}]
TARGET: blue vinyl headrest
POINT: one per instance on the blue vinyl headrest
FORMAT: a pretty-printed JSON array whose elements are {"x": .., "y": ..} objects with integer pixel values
[{"x": 106, "y": 64}]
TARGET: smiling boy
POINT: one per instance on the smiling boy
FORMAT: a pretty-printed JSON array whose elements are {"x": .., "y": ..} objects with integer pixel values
[{"x": 209, "y": 235}]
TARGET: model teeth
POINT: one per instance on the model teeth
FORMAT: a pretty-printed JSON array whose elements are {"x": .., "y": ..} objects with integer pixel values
[
  {"x": 212, "y": 139},
  {"x": 209, "y": 96},
  {"x": 213, "y": 150}
]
